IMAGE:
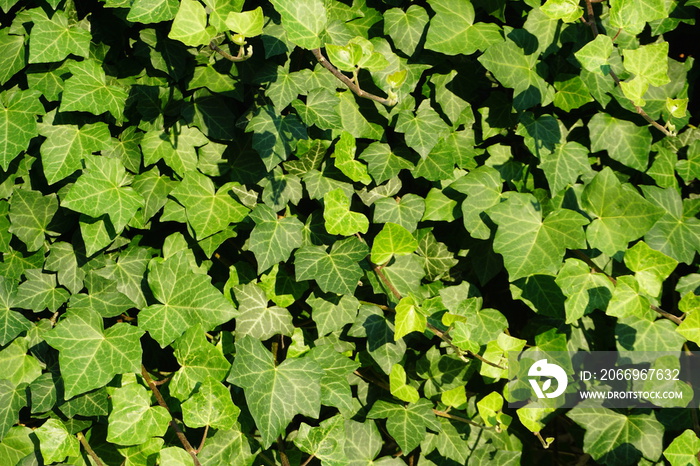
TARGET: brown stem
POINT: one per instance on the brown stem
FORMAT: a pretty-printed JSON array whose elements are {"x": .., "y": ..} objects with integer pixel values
[
  {"x": 373, "y": 380},
  {"x": 354, "y": 87},
  {"x": 237, "y": 58},
  {"x": 308, "y": 460},
  {"x": 89, "y": 449},
  {"x": 204, "y": 438},
  {"x": 283, "y": 454},
  {"x": 594, "y": 29},
  {"x": 459, "y": 418},
  {"x": 173, "y": 423}
]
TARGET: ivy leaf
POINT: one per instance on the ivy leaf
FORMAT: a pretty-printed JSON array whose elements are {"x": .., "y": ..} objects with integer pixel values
[
  {"x": 335, "y": 389},
  {"x": 398, "y": 386},
  {"x": 627, "y": 300},
  {"x": 564, "y": 165},
  {"x": 256, "y": 318},
  {"x": 572, "y": 93},
  {"x": 623, "y": 140},
  {"x": 632, "y": 15},
  {"x": 273, "y": 239},
  {"x": 12, "y": 323},
  {"x": 13, "y": 59},
  {"x": 208, "y": 211},
  {"x": 382, "y": 163},
  {"x": 331, "y": 316},
  {"x": 90, "y": 356},
  {"x": 585, "y": 290},
  {"x": 199, "y": 361},
  {"x": 55, "y": 442},
  {"x": 54, "y": 39},
  {"x": 436, "y": 257},
  {"x": 18, "y": 111},
  {"x": 483, "y": 189},
  {"x": 335, "y": 272},
  {"x": 248, "y": 23},
  {"x": 566, "y": 10},
  {"x": 152, "y": 11},
  {"x": 422, "y": 130},
  {"x": 181, "y": 307},
  {"x": 595, "y": 54},
  {"x": 683, "y": 450},
  {"x": 320, "y": 109},
  {"x": 326, "y": 441},
  {"x": 19, "y": 368},
  {"x": 622, "y": 215},
  {"x": 190, "y": 24},
  {"x": 649, "y": 63},
  {"x": 65, "y": 146},
  {"x": 405, "y": 28},
  {"x": 39, "y": 291},
  {"x": 338, "y": 217},
  {"x": 304, "y": 21},
  {"x": 408, "y": 318},
  {"x": 392, "y": 240},
  {"x": 211, "y": 406},
  {"x": 227, "y": 447},
  {"x": 133, "y": 420},
  {"x": 274, "y": 136},
  {"x": 635, "y": 335},
  {"x": 87, "y": 90},
  {"x": 530, "y": 245},
  {"x": 452, "y": 30},
  {"x": 651, "y": 267},
  {"x": 12, "y": 399},
  {"x": 102, "y": 188},
  {"x": 406, "y": 424},
  {"x": 344, "y": 156},
  {"x": 275, "y": 394},
  {"x": 30, "y": 214},
  {"x": 406, "y": 211},
  {"x": 614, "y": 438}
]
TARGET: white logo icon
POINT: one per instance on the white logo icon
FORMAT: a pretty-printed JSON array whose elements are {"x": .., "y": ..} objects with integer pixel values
[{"x": 542, "y": 368}]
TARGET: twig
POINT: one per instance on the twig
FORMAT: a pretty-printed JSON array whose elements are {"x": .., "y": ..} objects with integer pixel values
[
  {"x": 544, "y": 443},
  {"x": 237, "y": 58},
  {"x": 173, "y": 423},
  {"x": 353, "y": 86},
  {"x": 308, "y": 460},
  {"x": 594, "y": 28},
  {"x": 89, "y": 449},
  {"x": 283, "y": 454},
  {"x": 369, "y": 379},
  {"x": 444, "y": 414},
  {"x": 204, "y": 438}
]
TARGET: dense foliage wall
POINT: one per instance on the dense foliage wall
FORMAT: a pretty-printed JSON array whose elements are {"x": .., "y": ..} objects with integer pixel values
[{"x": 308, "y": 231}]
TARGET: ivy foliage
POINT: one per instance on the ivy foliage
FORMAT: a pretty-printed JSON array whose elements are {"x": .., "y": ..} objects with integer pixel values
[{"x": 310, "y": 231}]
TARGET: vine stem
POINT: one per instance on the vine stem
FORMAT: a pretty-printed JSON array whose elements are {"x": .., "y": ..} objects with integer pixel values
[
  {"x": 173, "y": 423},
  {"x": 447, "y": 415},
  {"x": 234, "y": 58},
  {"x": 89, "y": 449},
  {"x": 581, "y": 255},
  {"x": 594, "y": 29},
  {"x": 353, "y": 86}
]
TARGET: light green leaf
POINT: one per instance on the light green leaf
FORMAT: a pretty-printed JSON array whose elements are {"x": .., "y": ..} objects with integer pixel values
[
  {"x": 87, "y": 90},
  {"x": 572, "y": 92},
  {"x": 275, "y": 394},
  {"x": 89, "y": 356},
  {"x": 337, "y": 271},
  {"x": 566, "y": 10},
  {"x": 256, "y": 318},
  {"x": 406, "y": 424},
  {"x": 30, "y": 214},
  {"x": 613, "y": 438},
  {"x": 65, "y": 146},
  {"x": 248, "y": 23},
  {"x": 595, "y": 54},
  {"x": 651, "y": 267},
  {"x": 102, "y": 188},
  {"x": 632, "y": 15},
  {"x": 408, "y": 319},
  {"x": 635, "y": 335},
  {"x": 621, "y": 214},
  {"x": 627, "y": 300},
  {"x": 275, "y": 136},
  {"x": 39, "y": 291},
  {"x": 152, "y": 11},
  {"x": 54, "y": 39},
  {"x": 13, "y": 59},
  {"x": 190, "y": 24},
  {"x": 649, "y": 63},
  {"x": 437, "y": 259},
  {"x": 18, "y": 111},
  {"x": 12, "y": 323},
  {"x": 273, "y": 239},
  {"x": 530, "y": 245},
  {"x": 229, "y": 447},
  {"x": 564, "y": 165},
  {"x": 304, "y": 21},
  {"x": 683, "y": 450},
  {"x": 480, "y": 328},
  {"x": 174, "y": 456},
  {"x": 19, "y": 367},
  {"x": 344, "y": 159},
  {"x": 585, "y": 290},
  {"x": 383, "y": 164},
  {"x": 55, "y": 442},
  {"x": 406, "y": 211},
  {"x": 12, "y": 399},
  {"x": 490, "y": 408},
  {"x": 17, "y": 443},
  {"x": 405, "y": 28},
  {"x": 133, "y": 420},
  {"x": 181, "y": 306},
  {"x": 422, "y": 130},
  {"x": 439, "y": 207},
  {"x": 326, "y": 441},
  {"x": 392, "y": 240},
  {"x": 337, "y": 369},
  {"x": 320, "y": 109},
  {"x": 448, "y": 28},
  {"x": 176, "y": 147},
  {"x": 690, "y": 327},
  {"x": 331, "y": 316},
  {"x": 399, "y": 388},
  {"x": 211, "y": 406},
  {"x": 338, "y": 217}
]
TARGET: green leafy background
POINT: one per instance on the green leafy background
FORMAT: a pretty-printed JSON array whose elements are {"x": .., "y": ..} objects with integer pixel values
[{"x": 214, "y": 251}]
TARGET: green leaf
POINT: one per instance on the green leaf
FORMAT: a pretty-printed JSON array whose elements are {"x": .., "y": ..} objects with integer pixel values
[
  {"x": 330, "y": 316},
  {"x": 190, "y": 24},
  {"x": 66, "y": 145},
  {"x": 275, "y": 394},
  {"x": 337, "y": 370},
  {"x": 408, "y": 318},
  {"x": 490, "y": 408},
  {"x": 55, "y": 442},
  {"x": 566, "y": 10},
  {"x": 87, "y": 90},
  {"x": 176, "y": 147},
  {"x": 406, "y": 211},
  {"x": 208, "y": 211},
  {"x": 627, "y": 300},
  {"x": 12, "y": 323},
  {"x": 595, "y": 54},
  {"x": 613, "y": 438},
  {"x": 273, "y": 239},
  {"x": 649, "y": 63},
  {"x": 211, "y": 406},
  {"x": 54, "y": 39},
  {"x": 621, "y": 214},
  {"x": 405, "y": 28},
  {"x": 90, "y": 356},
  {"x": 14, "y": 56},
  {"x": 227, "y": 447},
  {"x": 325, "y": 442},
  {"x": 18, "y": 111},
  {"x": 133, "y": 420},
  {"x": 40, "y": 292},
  {"x": 103, "y": 188},
  {"x": 392, "y": 240},
  {"x": 399, "y": 388},
  {"x": 274, "y": 136},
  {"x": 30, "y": 214},
  {"x": 152, "y": 11},
  {"x": 422, "y": 130},
  {"x": 406, "y": 424},
  {"x": 338, "y": 217},
  {"x": 337, "y": 271},
  {"x": 530, "y": 245},
  {"x": 571, "y": 94},
  {"x": 651, "y": 267},
  {"x": 683, "y": 450},
  {"x": 248, "y": 23},
  {"x": 181, "y": 307},
  {"x": 256, "y": 318},
  {"x": 320, "y": 109},
  {"x": 564, "y": 165},
  {"x": 635, "y": 335},
  {"x": 437, "y": 259},
  {"x": 585, "y": 290},
  {"x": 12, "y": 399},
  {"x": 452, "y": 30},
  {"x": 16, "y": 444},
  {"x": 304, "y": 21},
  {"x": 632, "y": 15}
]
